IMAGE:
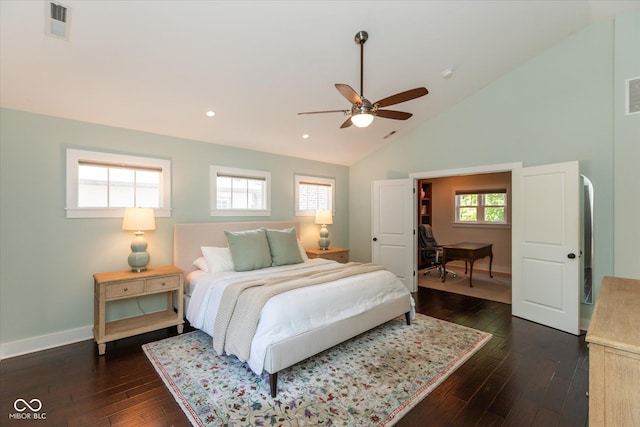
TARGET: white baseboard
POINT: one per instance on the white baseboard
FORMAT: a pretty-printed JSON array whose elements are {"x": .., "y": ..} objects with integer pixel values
[{"x": 44, "y": 342}]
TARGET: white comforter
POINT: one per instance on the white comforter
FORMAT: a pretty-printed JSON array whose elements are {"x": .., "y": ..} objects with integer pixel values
[{"x": 294, "y": 312}]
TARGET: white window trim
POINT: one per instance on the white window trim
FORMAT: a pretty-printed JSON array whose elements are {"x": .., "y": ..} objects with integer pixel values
[
  {"x": 75, "y": 156},
  {"x": 481, "y": 189},
  {"x": 313, "y": 179},
  {"x": 214, "y": 171}
]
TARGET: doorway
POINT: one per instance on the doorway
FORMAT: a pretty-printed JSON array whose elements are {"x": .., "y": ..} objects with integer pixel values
[
  {"x": 546, "y": 243},
  {"x": 468, "y": 208}
]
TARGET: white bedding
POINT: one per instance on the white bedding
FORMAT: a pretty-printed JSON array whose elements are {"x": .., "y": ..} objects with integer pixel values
[{"x": 294, "y": 312}]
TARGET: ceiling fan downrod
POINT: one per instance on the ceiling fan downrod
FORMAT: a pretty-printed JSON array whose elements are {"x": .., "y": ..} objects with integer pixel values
[{"x": 361, "y": 38}]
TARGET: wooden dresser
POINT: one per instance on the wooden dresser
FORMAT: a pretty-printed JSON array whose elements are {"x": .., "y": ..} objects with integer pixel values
[{"x": 614, "y": 355}]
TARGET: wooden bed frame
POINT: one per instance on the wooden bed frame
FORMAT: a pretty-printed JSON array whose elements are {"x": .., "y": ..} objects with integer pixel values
[{"x": 187, "y": 240}]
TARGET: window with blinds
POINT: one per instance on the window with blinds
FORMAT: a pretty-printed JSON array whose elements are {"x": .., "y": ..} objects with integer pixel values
[
  {"x": 102, "y": 184},
  {"x": 312, "y": 194}
]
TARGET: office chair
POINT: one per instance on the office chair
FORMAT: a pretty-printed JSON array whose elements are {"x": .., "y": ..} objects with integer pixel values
[{"x": 431, "y": 252}]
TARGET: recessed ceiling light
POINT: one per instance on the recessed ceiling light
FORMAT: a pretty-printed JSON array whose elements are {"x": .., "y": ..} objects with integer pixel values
[
  {"x": 306, "y": 136},
  {"x": 446, "y": 74},
  {"x": 211, "y": 113}
]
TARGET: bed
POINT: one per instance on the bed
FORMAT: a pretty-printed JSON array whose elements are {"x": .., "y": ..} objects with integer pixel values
[{"x": 361, "y": 302}]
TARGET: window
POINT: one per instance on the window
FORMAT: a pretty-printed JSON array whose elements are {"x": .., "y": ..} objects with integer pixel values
[
  {"x": 481, "y": 206},
  {"x": 312, "y": 194},
  {"x": 103, "y": 184},
  {"x": 240, "y": 192}
]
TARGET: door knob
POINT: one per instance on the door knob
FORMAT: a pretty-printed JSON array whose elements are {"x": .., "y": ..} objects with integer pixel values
[
  {"x": 571, "y": 256},
  {"x": 375, "y": 239}
]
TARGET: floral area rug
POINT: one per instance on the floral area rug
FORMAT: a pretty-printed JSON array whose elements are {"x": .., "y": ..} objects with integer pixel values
[{"x": 371, "y": 380}]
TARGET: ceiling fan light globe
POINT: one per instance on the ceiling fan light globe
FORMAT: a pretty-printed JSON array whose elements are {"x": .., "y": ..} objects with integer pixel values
[{"x": 362, "y": 120}]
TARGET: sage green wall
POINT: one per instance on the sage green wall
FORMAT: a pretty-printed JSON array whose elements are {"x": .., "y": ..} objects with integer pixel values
[
  {"x": 626, "y": 151},
  {"x": 556, "y": 107},
  {"x": 47, "y": 260}
]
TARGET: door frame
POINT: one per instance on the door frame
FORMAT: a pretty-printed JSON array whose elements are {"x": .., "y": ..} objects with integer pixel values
[{"x": 474, "y": 170}]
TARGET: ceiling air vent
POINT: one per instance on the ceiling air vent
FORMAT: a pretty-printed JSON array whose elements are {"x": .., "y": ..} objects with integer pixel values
[{"x": 57, "y": 19}]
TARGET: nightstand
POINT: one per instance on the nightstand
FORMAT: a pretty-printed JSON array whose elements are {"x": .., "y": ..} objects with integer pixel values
[
  {"x": 333, "y": 253},
  {"x": 119, "y": 285}
]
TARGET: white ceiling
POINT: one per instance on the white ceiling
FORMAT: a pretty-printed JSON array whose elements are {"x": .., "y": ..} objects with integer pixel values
[{"x": 158, "y": 66}]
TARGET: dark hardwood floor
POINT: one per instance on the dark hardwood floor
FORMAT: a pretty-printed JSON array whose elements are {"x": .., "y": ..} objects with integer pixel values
[{"x": 527, "y": 375}]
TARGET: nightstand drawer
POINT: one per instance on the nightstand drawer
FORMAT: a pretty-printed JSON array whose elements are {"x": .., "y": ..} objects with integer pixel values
[
  {"x": 124, "y": 289},
  {"x": 163, "y": 284},
  {"x": 338, "y": 256}
]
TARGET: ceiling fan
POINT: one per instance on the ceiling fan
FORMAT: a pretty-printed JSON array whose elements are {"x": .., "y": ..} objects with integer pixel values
[{"x": 362, "y": 110}]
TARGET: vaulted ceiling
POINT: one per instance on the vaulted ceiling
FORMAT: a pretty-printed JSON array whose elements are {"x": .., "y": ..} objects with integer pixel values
[{"x": 159, "y": 66}]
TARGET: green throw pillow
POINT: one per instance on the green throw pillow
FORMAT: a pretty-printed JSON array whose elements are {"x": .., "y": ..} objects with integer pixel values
[
  {"x": 284, "y": 248},
  {"x": 249, "y": 249}
]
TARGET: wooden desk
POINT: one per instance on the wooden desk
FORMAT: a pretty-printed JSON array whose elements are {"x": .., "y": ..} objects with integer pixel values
[{"x": 469, "y": 252}]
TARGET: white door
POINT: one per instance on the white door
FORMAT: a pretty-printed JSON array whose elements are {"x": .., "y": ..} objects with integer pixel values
[
  {"x": 392, "y": 223},
  {"x": 546, "y": 245}
]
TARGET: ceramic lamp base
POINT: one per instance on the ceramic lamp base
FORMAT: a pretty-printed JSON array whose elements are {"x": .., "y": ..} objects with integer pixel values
[
  {"x": 324, "y": 238},
  {"x": 139, "y": 257}
]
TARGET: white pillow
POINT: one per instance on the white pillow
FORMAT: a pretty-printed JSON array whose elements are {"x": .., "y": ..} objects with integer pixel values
[
  {"x": 201, "y": 263},
  {"x": 218, "y": 259},
  {"x": 303, "y": 253}
]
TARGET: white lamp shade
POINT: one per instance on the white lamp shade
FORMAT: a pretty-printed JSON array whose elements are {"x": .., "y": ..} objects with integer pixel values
[
  {"x": 362, "y": 120},
  {"x": 139, "y": 219},
  {"x": 324, "y": 217}
]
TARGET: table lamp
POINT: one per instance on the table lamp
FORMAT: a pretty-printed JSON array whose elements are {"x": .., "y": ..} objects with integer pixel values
[
  {"x": 138, "y": 220},
  {"x": 323, "y": 218}
]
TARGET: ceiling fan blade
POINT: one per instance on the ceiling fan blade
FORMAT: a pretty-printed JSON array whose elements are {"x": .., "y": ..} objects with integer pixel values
[
  {"x": 402, "y": 97},
  {"x": 391, "y": 114},
  {"x": 326, "y": 111},
  {"x": 347, "y": 123},
  {"x": 348, "y": 92}
]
